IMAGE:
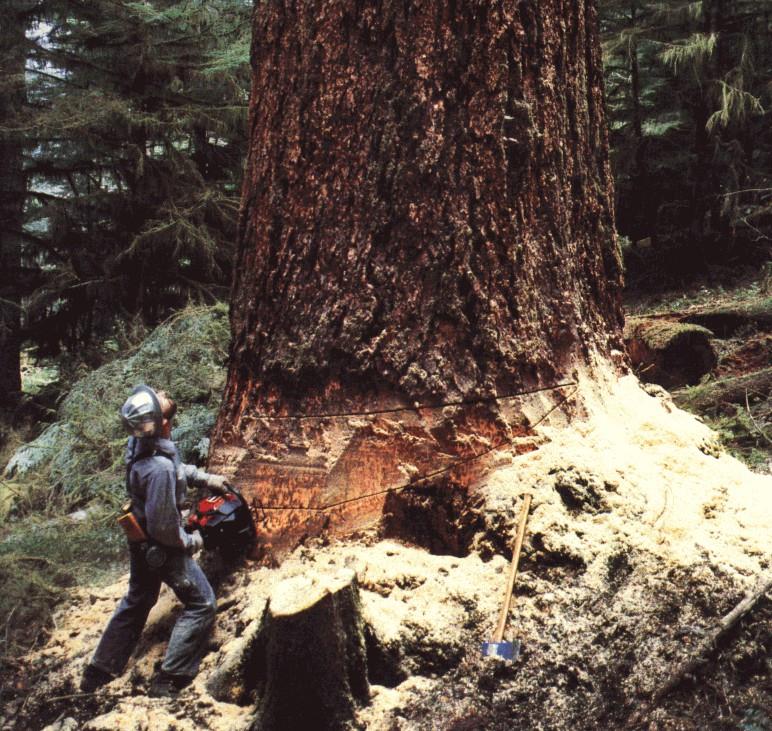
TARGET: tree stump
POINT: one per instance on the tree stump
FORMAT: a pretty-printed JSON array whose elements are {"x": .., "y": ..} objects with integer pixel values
[
  {"x": 671, "y": 354},
  {"x": 233, "y": 681},
  {"x": 313, "y": 665}
]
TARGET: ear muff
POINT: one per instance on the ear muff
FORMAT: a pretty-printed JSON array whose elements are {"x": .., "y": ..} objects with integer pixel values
[{"x": 168, "y": 405}]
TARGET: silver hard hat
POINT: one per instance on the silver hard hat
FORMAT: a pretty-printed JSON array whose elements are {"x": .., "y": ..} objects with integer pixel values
[{"x": 141, "y": 413}]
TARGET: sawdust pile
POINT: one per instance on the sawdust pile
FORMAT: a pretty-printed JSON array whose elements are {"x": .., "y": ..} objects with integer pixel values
[{"x": 642, "y": 534}]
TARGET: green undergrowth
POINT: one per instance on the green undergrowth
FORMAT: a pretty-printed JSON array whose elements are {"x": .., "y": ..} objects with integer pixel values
[
  {"x": 744, "y": 429},
  {"x": 79, "y": 457},
  {"x": 746, "y": 435},
  {"x": 40, "y": 560},
  {"x": 747, "y": 291}
]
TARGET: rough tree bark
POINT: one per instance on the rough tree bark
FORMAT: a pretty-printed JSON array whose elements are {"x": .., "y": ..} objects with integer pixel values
[
  {"x": 313, "y": 659},
  {"x": 12, "y": 195},
  {"x": 426, "y": 215}
]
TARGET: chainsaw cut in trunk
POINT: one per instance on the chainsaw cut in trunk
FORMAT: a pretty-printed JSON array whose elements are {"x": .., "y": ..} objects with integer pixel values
[{"x": 426, "y": 216}]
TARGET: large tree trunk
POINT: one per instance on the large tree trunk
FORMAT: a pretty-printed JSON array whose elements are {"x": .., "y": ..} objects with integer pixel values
[
  {"x": 427, "y": 215},
  {"x": 12, "y": 194}
]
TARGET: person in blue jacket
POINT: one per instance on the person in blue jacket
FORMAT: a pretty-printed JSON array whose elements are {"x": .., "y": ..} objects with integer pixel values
[{"x": 157, "y": 481}]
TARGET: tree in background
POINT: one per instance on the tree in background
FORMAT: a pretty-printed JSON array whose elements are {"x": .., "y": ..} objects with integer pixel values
[
  {"x": 12, "y": 193},
  {"x": 134, "y": 131},
  {"x": 689, "y": 100}
]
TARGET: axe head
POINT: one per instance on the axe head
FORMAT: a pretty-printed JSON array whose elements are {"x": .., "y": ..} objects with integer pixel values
[{"x": 505, "y": 650}]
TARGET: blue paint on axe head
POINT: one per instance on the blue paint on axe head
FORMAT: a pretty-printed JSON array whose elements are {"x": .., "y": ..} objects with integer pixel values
[{"x": 505, "y": 650}]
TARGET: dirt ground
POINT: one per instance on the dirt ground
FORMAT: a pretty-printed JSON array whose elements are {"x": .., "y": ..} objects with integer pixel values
[{"x": 643, "y": 533}]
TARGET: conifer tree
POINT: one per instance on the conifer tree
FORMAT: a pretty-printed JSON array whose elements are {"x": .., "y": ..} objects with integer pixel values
[
  {"x": 13, "y": 29},
  {"x": 689, "y": 111},
  {"x": 135, "y": 126},
  {"x": 427, "y": 218}
]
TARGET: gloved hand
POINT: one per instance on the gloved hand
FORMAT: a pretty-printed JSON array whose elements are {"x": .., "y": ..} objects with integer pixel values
[
  {"x": 218, "y": 484},
  {"x": 196, "y": 543}
]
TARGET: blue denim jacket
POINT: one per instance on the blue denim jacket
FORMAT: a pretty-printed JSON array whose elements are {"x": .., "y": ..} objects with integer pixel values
[{"x": 157, "y": 483}]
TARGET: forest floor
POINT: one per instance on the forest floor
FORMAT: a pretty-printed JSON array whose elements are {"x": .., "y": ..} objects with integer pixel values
[
  {"x": 740, "y": 319},
  {"x": 628, "y": 562}
]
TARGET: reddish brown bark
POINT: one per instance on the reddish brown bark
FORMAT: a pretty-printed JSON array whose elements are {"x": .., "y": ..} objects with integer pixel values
[{"x": 426, "y": 215}]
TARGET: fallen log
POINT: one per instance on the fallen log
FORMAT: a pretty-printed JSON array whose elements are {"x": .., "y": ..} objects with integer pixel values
[
  {"x": 717, "y": 394},
  {"x": 671, "y": 354},
  {"x": 725, "y": 321}
]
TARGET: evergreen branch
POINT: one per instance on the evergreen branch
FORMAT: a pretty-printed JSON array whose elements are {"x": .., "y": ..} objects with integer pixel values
[
  {"x": 761, "y": 236},
  {"x": 736, "y": 105},
  {"x": 43, "y": 243},
  {"x": 59, "y": 79},
  {"x": 695, "y": 50},
  {"x": 209, "y": 291},
  {"x": 746, "y": 190},
  {"x": 88, "y": 283},
  {"x": 43, "y": 196},
  {"x": 119, "y": 78},
  {"x": 669, "y": 14}
]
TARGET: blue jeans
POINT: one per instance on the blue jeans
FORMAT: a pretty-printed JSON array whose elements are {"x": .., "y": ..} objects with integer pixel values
[{"x": 188, "y": 640}]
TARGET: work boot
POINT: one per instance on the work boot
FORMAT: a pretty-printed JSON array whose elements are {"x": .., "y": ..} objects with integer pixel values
[
  {"x": 166, "y": 685},
  {"x": 93, "y": 679}
]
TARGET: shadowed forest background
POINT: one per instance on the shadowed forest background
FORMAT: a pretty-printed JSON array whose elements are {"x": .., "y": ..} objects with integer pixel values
[{"x": 123, "y": 134}]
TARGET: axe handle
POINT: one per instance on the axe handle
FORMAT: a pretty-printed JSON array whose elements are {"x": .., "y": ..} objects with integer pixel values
[{"x": 499, "y": 636}]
